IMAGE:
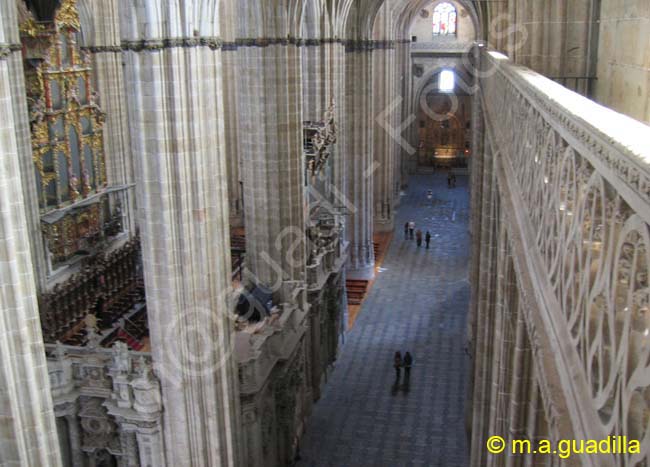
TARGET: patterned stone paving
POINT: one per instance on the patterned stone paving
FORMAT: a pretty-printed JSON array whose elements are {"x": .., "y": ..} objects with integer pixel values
[{"x": 419, "y": 303}]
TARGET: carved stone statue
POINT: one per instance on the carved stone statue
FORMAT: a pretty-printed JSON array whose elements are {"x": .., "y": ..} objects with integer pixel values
[
  {"x": 60, "y": 352},
  {"x": 93, "y": 337},
  {"x": 146, "y": 390},
  {"x": 121, "y": 358}
]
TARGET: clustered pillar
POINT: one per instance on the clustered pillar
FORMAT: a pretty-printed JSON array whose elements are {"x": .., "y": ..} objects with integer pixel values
[
  {"x": 173, "y": 67},
  {"x": 357, "y": 143},
  {"x": 102, "y": 40},
  {"x": 29, "y": 433},
  {"x": 270, "y": 135},
  {"x": 384, "y": 144}
]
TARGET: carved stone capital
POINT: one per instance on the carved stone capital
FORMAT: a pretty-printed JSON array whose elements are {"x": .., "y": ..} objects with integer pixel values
[{"x": 8, "y": 49}]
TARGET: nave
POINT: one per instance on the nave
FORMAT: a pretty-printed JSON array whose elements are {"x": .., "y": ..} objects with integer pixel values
[{"x": 419, "y": 304}]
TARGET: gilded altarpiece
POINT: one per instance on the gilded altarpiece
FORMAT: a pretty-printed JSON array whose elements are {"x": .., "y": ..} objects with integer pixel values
[{"x": 66, "y": 123}]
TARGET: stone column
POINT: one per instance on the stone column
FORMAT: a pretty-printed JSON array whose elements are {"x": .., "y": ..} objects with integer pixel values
[
  {"x": 231, "y": 125},
  {"x": 485, "y": 290},
  {"x": 15, "y": 70},
  {"x": 409, "y": 110},
  {"x": 231, "y": 75},
  {"x": 318, "y": 95},
  {"x": 357, "y": 151},
  {"x": 74, "y": 434},
  {"x": 336, "y": 58},
  {"x": 273, "y": 166},
  {"x": 402, "y": 58},
  {"x": 101, "y": 38},
  {"x": 521, "y": 363},
  {"x": 130, "y": 457},
  {"x": 314, "y": 79},
  {"x": 500, "y": 337},
  {"x": 29, "y": 433},
  {"x": 174, "y": 81},
  {"x": 150, "y": 445},
  {"x": 316, "y": 355},
  {"x": 384, "y": 112}
]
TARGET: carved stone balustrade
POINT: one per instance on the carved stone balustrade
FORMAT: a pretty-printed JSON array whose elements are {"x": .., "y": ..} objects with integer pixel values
[
  {"x": 441, "y": 45},
  {"x": 562, "y": 246}
]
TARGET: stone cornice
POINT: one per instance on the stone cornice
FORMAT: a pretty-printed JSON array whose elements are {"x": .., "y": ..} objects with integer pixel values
[
  {"x": 229, "y": 46},
  {"x": 299, "y": 42},
  {"x": 214, "y": 43},
  {"x": 102, "y": 48},
  {"x": 367, "y": 45},
  {"x": 153, "y": 45},
  {"x": 8, "y": 49},
  {"x": 177, "y": 42}
]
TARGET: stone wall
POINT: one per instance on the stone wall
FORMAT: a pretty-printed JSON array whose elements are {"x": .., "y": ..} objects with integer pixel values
[{"x": 624, "y": 57}]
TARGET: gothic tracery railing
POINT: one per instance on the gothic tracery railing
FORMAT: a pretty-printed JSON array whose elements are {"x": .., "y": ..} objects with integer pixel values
[{"x": 584, "y": 179}]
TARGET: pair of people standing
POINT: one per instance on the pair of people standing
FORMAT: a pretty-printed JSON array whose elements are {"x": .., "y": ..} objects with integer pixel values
[
  {"x": 410, "y": 233},
  {"x": 400, "y": 362},
  {"x": 427, "y": 238},
  {"x": 409, "y": 230}
]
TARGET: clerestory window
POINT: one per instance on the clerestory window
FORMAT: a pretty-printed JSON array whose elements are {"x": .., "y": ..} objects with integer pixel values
[{"x": 444, "y": 19}]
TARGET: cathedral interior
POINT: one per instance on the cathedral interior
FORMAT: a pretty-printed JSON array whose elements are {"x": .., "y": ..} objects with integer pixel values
[{"x": 205, "y": 249}]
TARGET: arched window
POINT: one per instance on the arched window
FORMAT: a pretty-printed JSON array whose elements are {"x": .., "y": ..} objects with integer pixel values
[
  {"x": 446, "y": 81},
  {"x": 444, "y": 19}
]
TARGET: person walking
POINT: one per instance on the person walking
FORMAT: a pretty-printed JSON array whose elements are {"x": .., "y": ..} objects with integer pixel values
[
  {"x": 408, "y": 361},
  {"x": 406, "y": 231},
  {"x": 418, "y": 238},
  {"x": 397, "y": 363},
  {"x": 411, "y": 229},
  {"x": 427, "y": 239},
  {"x": 449, "y": 179}
]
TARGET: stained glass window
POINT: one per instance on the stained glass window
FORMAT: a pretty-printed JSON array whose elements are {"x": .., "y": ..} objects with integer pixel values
[{"x": 444, "y": 19}]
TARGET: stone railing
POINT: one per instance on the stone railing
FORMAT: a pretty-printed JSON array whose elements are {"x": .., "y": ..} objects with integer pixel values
[
  {"x": 577, "y": 182},
  {"x": 259, "y": 347},
  {"x": 440, "y": 46}
]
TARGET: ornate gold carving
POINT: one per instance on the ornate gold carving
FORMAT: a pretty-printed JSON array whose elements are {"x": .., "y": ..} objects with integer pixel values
[
  {"x": 62, "y": 106},
  {"x": 31, "y": 28},
  {"x": 318, "y": 137},
  {"x": 68, "y": 15},
  {"x": 59, "y": 97}
]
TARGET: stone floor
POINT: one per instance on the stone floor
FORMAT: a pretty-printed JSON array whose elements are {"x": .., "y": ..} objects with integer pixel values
[{"x": 419, "y": 304}]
